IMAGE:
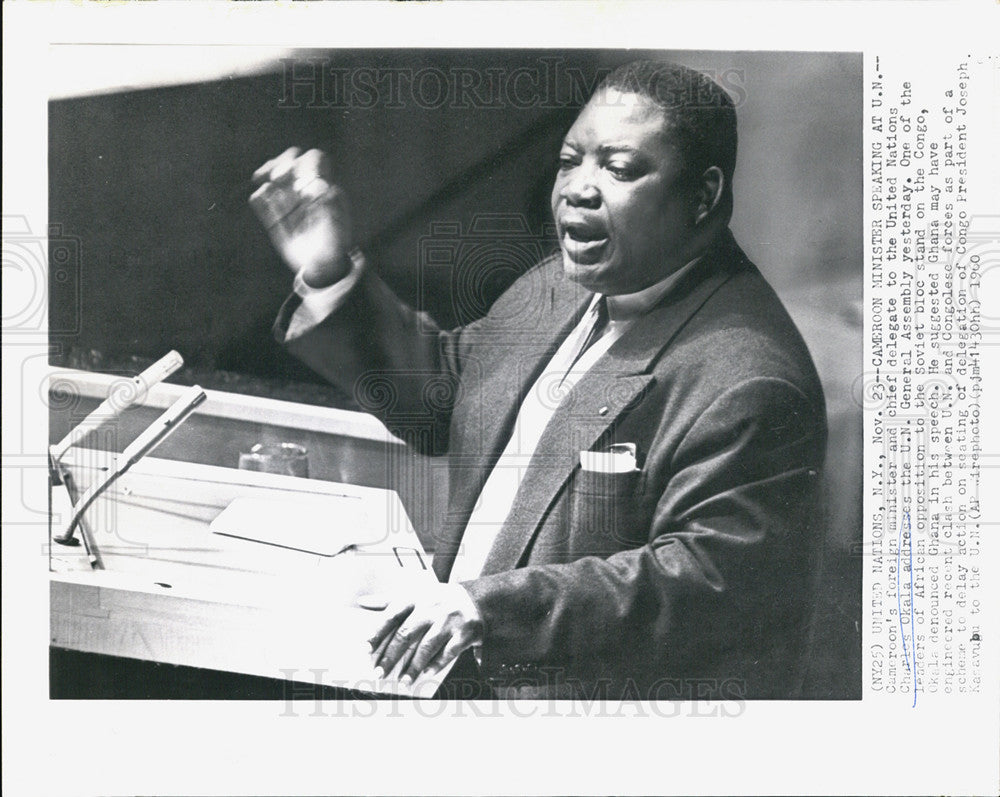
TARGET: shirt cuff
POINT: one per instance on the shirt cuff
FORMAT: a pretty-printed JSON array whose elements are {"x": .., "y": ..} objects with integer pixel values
[{"x": 318, "y": 303}]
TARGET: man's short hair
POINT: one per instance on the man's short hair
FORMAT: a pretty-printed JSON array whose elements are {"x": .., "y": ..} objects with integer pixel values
[{"x": 700, "y": 114}]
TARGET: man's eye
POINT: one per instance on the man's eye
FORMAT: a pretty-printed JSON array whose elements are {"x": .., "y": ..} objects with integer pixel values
[
  {"x": 566, "y": 162},
  {"x": 623, "y": 171}
]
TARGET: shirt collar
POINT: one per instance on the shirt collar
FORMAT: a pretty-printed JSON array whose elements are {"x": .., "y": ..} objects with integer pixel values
[{"x": 628, "y": 306}]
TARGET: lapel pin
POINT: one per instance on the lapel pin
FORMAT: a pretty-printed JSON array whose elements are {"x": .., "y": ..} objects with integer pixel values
[{"x": 603, "y": 411}]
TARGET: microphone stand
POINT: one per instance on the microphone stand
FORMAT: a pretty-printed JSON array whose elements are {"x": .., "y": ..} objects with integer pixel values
[
  {"x": 125, "y": 394},
  {"x": 149, "y": 439}
]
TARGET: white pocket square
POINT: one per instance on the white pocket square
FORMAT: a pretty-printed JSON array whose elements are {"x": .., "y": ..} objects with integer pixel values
[{"x": 619, "y": 458}]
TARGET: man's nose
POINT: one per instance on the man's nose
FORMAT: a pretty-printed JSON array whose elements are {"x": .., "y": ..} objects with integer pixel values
[{"x": 581, "y": 190}]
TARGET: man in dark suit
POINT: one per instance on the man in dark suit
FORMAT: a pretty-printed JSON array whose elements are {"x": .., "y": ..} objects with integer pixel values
[{"x": 636, "y": 429}]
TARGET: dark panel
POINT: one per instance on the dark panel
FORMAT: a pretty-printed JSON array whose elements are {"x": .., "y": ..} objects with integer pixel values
[{"x": 148, "y": 190}]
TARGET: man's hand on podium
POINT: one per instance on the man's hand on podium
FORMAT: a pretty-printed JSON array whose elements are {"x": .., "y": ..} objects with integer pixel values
[{"x": 428, "y": 630}]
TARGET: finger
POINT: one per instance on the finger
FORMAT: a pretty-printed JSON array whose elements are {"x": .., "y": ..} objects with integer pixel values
[
  {"x": 433, "y": 643},
  {"x": 395, "y": 614},
  {"x": 269, "y": 205},
  {"x": 284, "y": 168},
  {"x": 405, "y": 639},
  {"x": 311, "y": 187},
  {"x": 281, "y": 208},
  {"x": 263, "y": 173},
  {"x": 312, "y": 164},
  {"x": 377, "y": 653},
  {"x": 451, "y": 651},
  {"x": 278, "y": 214},
  {"x": 310, "y": 175},
  {"x": 376, "y": 603}
]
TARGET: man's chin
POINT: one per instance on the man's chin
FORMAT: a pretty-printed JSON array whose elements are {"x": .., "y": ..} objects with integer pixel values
[{"x": 587, "y": 275}]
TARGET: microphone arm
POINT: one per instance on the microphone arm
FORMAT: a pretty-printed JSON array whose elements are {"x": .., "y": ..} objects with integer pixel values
[
  {"x": 150, "y": 438},
  {"x": 123, "y": 397}
]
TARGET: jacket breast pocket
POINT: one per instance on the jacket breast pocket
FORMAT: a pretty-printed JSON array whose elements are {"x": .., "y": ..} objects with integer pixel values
[{"x": 608, "y": 512}]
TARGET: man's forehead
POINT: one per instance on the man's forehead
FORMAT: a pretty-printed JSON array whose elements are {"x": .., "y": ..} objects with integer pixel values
[{"x": 609, "y": 108}]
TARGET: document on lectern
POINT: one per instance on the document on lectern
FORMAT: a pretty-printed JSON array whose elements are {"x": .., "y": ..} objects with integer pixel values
[{"x": 322, "y": 525}]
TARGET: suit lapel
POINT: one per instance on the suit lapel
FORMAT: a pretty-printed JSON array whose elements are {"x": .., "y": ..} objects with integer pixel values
[
  {"x": 508, "y": 367},
  {"x": 614, "y": 385},
  {"x": 513, "y": 364}
]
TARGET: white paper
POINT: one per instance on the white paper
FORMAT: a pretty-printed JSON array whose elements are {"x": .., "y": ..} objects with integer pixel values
[{"x": 326, "y": 525}]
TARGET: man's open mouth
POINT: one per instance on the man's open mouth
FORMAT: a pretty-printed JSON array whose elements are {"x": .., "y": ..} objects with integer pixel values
[{"x": 583, "y": 242}]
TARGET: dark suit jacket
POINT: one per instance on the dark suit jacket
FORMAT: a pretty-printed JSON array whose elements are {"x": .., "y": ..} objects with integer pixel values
[{"x": 693, "y": 576}]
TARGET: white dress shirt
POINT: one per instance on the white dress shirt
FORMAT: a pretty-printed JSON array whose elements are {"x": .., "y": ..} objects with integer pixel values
[{"x": 542, "y": 400}]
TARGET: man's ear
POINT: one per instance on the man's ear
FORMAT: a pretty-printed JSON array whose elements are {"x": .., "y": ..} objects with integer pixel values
[{"x": 711, "y": 187}]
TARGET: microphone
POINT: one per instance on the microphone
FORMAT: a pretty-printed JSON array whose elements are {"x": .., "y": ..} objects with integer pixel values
[
  {"x": 123, "y": 397},
  {"x": 150, "y": 438}
]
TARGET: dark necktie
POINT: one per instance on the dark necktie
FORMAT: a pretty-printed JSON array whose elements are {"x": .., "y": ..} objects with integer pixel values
[{"x": 600, "y": 324}]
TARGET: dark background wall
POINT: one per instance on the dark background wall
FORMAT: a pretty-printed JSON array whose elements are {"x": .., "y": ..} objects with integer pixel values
[
  {"x": 154, "y": 183},
  {"x": 148, "y": 194}
]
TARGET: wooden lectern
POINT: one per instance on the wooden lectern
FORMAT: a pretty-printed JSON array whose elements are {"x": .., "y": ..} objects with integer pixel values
[{"x": 172, "y": 590}]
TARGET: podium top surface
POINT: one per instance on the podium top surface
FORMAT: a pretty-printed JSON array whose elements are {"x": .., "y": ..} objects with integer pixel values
[{"x": 173, "y": 591}]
